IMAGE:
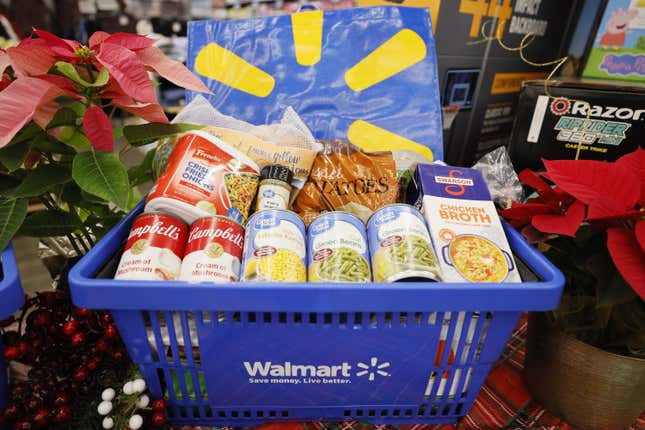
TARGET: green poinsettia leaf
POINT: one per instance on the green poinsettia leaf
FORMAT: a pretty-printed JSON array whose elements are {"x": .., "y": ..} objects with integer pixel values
[
  {"x": 143, "y": 172},
  {"x": 64, "y": 116},
  {"x": 12, "y": 215},
  {"x": 7, "y": 184},
  {"x": 49, "y": 223},
  {"x": 41, "y": 179},
  {"x": 102, "y": 174},
  {"x": 143, "y": 134},
  {"x": 49, "y": 144},
  {"x": 13, "y": 155}
]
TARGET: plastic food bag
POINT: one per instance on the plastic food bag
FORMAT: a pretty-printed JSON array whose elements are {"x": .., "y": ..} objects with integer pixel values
[
  {"x": 288, "y": 142},
  {"x": 500, "y": 176},
  {"x": 344, "y": 178}
]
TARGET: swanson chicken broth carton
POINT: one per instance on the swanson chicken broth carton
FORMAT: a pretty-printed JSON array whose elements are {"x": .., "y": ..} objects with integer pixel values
[{"x": 467, "y": 233}]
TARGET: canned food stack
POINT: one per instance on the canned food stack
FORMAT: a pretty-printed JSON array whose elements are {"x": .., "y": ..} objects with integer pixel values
[
  {"x": 193, "y": 230},
  {"x": 198, "y": 227}
]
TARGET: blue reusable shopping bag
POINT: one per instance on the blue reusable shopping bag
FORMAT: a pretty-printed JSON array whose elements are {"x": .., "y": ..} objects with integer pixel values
[{"x": 368, "y": 74}]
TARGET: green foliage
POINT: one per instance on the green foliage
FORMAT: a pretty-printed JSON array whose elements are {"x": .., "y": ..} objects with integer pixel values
[
  {"x": 597, "y": 307},
  {"x": 143, "y": 134}
]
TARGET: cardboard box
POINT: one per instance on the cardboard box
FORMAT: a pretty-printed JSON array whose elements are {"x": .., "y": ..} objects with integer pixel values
[
  {"x": 554, "y": 127},
  {"x": 466, "y": 231},
  {"x": 617, "y": 49}
]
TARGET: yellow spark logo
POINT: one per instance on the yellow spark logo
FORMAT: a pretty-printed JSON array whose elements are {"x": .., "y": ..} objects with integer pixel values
[{"x": 400, "y": 52}]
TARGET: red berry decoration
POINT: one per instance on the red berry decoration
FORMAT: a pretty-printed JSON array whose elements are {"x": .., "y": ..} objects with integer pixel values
[
  {"x": 111, "y": 332},
  {"x": 81, "y": 374},
  {"x": 78, "y": 338},
  {"x": 23, "y": 347},
  {"x": 158, "y": 419},
  {"x": 102, "y": 345},
  {"x": 159, "y": 405},
  {"x": 41, "y": 318},
  {"x": 118, "y": 355},
  {"x": 82, "y": 312},
  {"x": 62, "y": 414},
  {"x": 93, "y": 363},
  {"x": 22, "y": 425},
  {"x": 11, "y": 353},
  {"x": 70, "y": 327},
  {"x": 11, "y": 412},
  {"x": 61, "y": 399},
  {"x": 41, "y": 418}
]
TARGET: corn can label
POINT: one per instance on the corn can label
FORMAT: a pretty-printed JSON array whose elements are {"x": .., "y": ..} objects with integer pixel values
[
  {"x": 274, "y": 247},
  {"x": 154, "y": 248},
  {"x": 213, "y": 251},
  {"x": 400, "y": 245},
  {"x": 205, "y": 173},
  {"x": 337, "y": 249}
]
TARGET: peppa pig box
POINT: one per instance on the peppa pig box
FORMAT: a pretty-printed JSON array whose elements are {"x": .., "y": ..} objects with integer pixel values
[{"x": 618, "y": 49}]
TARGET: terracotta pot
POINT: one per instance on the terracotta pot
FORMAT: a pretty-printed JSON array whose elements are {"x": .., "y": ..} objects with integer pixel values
[{"x": 590, "y": 388}]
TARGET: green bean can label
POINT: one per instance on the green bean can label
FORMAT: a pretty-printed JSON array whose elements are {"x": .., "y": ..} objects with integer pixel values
[
  {"x": 400, "y": 245},
  {"x": 337, "y": 249}
]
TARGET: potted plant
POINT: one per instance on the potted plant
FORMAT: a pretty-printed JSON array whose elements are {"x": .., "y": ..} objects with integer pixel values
[
  {"x": 57, "y": 144},
  {"x": 60, "y": 150},
  {"x": 586, "y": 360}
]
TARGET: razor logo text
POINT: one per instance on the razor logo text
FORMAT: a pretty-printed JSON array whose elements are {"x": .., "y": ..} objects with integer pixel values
[{"x": 591, "y": 131}]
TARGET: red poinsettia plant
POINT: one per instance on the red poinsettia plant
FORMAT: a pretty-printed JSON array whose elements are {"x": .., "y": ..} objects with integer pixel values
[
  {"x": 588, "y": 217},
  {"x": 57, "y": 142}
]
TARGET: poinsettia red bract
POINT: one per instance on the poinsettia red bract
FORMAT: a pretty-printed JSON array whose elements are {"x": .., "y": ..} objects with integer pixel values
[
  {"x": 49, "y": 67},
  {"x": 609, "y": 196}
]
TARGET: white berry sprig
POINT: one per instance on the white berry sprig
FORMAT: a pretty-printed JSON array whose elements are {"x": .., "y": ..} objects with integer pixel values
[{"x": 123, "y": 411}]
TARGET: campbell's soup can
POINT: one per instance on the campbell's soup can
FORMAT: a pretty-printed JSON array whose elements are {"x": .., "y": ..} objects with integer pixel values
[
  {"x": 337, "y": 249},
  {"x": 213, "y": 251},
  {"x": 400, "y": 245},
  {"x": 274, "y": 247},
  {"x": 205, "y": 177},
  {"x": 154, "y": 248}
]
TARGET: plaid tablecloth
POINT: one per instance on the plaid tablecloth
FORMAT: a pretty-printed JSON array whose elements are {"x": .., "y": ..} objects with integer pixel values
[{"x": 502, "y": 403}]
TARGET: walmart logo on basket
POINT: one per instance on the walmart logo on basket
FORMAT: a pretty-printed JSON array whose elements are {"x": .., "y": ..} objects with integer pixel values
[
  {"x": 268, "y": 372},
  {"x": 373, "y": 369}
]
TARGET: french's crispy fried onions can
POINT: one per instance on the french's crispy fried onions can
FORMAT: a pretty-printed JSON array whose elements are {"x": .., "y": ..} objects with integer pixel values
[{"x": 205, "y": 177}]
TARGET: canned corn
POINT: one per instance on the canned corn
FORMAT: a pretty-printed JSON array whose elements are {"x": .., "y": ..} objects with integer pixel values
[
  {"x": 400, "y": 245},
  {"x": 337, "y": 249},
  {"x": 274, "y": 247}
]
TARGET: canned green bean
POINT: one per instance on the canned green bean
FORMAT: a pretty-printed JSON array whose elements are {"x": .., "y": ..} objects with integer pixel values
[
  {"x": 400, "y": 246},
  {"x": 338, "y": 249}
]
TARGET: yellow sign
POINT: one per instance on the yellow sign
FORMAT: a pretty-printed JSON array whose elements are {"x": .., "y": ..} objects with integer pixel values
[
  {"x": 486, "y": 8},
  {"x": 507, "y": 83},
  {"x": 433, "y": 5}
]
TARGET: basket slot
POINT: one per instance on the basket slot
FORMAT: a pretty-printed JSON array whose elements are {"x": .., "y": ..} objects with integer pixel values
[
  {"x": 172, "y": 335},
  {"x": 158, "y": 337},
  {"x": 190, "y": 338},
  {"x": 501, "y": 327}
]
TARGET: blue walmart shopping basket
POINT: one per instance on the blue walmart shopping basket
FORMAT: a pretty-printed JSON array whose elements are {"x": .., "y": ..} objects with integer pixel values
[
  {"x": 242, "y": 353},
  {"x": 11, "y": 299}
]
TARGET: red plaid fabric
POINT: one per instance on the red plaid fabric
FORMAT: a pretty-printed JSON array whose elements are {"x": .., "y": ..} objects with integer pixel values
[{"x": 502, "y": 403}]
